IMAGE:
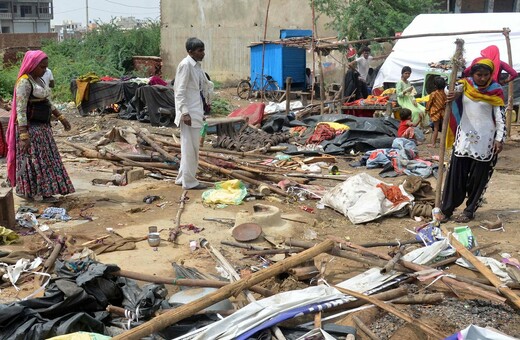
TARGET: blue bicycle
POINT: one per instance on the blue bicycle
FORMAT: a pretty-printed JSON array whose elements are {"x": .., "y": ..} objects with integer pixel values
[{"x": 269, "y": 87}]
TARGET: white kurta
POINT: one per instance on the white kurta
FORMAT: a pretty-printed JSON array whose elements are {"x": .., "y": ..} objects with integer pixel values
[
  {"x": 189, "y": 82},
  {"x": 480, "y": 126}
]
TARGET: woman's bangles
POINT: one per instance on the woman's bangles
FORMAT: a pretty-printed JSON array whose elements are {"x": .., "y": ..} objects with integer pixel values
[
  {"x": 24, "y": 136},
  {"x": 61, "y": 118}
]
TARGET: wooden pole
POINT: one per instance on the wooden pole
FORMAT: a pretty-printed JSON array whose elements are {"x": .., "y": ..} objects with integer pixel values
[
  {"x": 162, "y": 321},
  {"x": 509, "y": 109},
  {"x": 436, "y": 334},
  {"x": 313, "y": 51},
  {"x": 495, "y": 281},
  {"x": 361, "y": 325},
  {"x": 446, "y": 120},
  {"x": 263, "y": 51},
  {"x": 288, "y": 82},
  {"x": 184, "y": 282},
  {"x": 177, "y": 228}
]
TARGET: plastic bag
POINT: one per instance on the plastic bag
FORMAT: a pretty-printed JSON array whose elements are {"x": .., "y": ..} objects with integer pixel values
[{"x": 227, "y": 192}]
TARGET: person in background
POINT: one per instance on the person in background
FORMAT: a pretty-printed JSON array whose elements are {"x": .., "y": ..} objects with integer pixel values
[
  {"x": 351, "y": 53},
  {"x": 362, "y": 65},
  {"x": 407, "y": 128},
  {"x": 190, "y": 87},
  {"x": 406, "y": 98},
  {"x": 34, "y": 163},
  {"x": 308, "y": 79},
  {"x": 436, "y": 106},
  {"x": 48, "y": 78},
  {"x": 478, "y": 101},
  {"x": 493, "y": 53}
]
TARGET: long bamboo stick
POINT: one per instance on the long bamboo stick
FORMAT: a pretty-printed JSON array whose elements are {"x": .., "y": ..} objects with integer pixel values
[
  {"x": 446, "y": 120},
  {"x": 495, "y": 281},
  {"x": 184, "y": 282},
  {"x": 436, "y": 334},
  {"x": 510, "y": 93},
  {"x": 162, "y": 321}
]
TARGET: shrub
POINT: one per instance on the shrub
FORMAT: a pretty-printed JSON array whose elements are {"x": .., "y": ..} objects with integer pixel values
[{"x": 107, "y": 51}]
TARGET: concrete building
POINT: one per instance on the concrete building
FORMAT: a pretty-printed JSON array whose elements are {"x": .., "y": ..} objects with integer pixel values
[
  {"x": 26, "y": 16},
  {"x": 68, "y": 30},
  {"x": 227, "y": 27}
]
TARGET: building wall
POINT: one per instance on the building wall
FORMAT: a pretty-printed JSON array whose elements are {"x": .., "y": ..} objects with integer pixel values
[
  {"x": 13, "y": 43},
  {"x": 227, "y": 27}
]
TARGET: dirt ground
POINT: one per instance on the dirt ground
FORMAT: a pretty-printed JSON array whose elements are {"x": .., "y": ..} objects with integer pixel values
[{"x": 122, "y": 208}]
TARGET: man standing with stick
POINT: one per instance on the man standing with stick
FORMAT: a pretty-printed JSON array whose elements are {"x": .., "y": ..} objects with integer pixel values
[{"x": 191, "y": 85}]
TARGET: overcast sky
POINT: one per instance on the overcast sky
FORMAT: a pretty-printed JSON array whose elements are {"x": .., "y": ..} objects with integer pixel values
[{"x": 104, "y": 10}]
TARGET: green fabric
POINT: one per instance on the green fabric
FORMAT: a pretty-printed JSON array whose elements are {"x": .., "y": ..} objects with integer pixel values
[
  {"x": 227, "y": 192},
  {"x": 7, "y": 236},
  {"x": 407, "y": 100}
]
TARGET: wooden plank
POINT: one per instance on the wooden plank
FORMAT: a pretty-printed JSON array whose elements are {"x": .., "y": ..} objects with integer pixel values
[{"x": 495, "y": 281}]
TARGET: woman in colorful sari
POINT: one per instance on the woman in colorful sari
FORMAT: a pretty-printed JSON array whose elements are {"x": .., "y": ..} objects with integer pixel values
[
  {"x": 406, "y": 98},
  {"x": 34, "y": 163},
  {"x": 479, "y": 139}
]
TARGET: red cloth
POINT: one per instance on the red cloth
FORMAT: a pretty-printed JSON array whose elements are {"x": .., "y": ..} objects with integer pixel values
[
  {"x": 3, "y": 145},
  {"x": 322, "y": 132},
  {"x": 156, "y": 80},
  {"x": 403, "y": 126}
]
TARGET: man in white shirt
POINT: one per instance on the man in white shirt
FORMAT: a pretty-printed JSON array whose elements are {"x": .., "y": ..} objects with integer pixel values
[
  {"x": 48, "y": 78},
  {"x": 190, "y": 83},
  {"x": 362, "y": 65}
]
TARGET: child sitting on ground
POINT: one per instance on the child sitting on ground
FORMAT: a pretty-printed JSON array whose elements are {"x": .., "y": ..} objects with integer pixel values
[
  {"x": 435, "y": 107},
  {"x": 407, "y": 128}
]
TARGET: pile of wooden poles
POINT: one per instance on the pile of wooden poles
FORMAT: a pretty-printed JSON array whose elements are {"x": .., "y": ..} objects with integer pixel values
[{"x": 251, "y": 167}]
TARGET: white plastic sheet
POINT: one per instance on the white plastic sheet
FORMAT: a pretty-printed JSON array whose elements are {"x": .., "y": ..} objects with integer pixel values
[
  {"x": 418, "y": 52},
  {"x": 259, "y": 311},
  {"x": 360, "y": 200}
]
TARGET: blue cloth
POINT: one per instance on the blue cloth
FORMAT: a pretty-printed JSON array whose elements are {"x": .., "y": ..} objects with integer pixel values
[{"x": 55, "y": 213}]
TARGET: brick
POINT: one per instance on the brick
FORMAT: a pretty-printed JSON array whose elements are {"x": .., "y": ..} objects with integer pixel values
[{"x": 134, "y": 175}]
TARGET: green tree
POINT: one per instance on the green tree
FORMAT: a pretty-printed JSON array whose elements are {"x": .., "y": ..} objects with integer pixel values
[{"x": 367, "y": 19}]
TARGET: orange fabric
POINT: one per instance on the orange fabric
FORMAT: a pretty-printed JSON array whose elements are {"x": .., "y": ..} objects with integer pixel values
[{"x": 393, "y": 193}]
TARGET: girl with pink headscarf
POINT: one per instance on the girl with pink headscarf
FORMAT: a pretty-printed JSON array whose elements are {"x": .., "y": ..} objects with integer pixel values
[
  {"x": 493, "y": 53},
  {"x": 34, "y": 163}
]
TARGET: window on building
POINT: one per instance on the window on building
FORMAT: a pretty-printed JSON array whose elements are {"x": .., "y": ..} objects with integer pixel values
[
  {"x": 44, "y": 8},
  {"x": 6, "y": 29},
  {"x": 15, "y": 9},
  {"x": 24, "y": 10},
  {"x": 4, "y": 7}
]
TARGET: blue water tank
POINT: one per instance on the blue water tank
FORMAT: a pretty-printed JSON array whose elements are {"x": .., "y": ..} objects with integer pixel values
[{"x": 280, "y": 61}]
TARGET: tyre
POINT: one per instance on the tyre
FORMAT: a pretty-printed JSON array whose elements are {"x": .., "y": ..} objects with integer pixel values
[
  {"x": 244, "y": 89},
  {"x": 272, "y": 91}
]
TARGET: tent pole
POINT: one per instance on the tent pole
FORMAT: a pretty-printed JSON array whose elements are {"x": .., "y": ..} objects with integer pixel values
[
  {"x": 263, "y": 52},
  {"x": 446, "y": 120},
  {"x": 509, "y": 109}
]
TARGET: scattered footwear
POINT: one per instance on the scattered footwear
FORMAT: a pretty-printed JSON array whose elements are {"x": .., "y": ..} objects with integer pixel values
[
  {"x": 200, "y": 186},
  {"x": 445, "y": 218},
  {"x": 463, "y": 218},
  {"x": 50, "y": 199}
]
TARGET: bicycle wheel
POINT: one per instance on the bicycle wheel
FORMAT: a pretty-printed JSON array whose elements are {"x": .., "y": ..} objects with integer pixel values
[
  {"x": 272, "y": 91},
  {"x": 244, "y": 89}
]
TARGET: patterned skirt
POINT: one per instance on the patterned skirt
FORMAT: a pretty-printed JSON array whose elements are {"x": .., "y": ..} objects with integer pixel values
[{"x": 40, "y": 172}]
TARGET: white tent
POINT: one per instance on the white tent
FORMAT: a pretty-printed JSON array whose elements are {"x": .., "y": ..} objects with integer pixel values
[{"x": 418, "y": 52}]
